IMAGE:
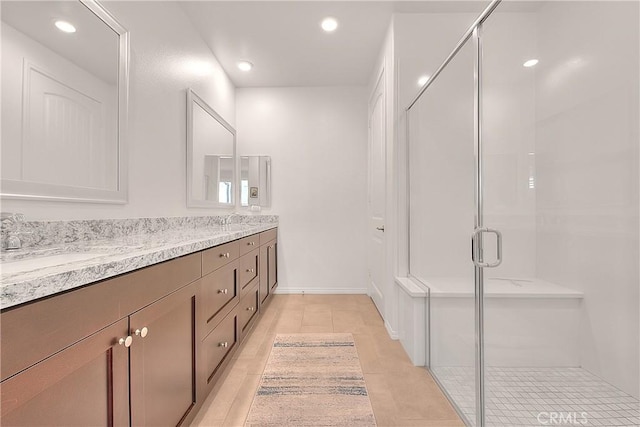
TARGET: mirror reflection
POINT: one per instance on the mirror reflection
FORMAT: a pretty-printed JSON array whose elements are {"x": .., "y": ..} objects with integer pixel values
[
  {"x": 255, "y": 181},
  {"x": 61, "y": 88},
  {"x": 210, "y": 156}
]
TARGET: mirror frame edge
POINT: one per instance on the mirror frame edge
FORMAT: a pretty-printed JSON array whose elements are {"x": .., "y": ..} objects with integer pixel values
[
  {"x": 24, "y": 190},
  {"x": 192, "y": 98}
]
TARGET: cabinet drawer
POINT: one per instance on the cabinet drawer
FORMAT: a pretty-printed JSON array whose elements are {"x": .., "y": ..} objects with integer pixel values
[
  {"x": 220, "y": 293},
  {"x": 249, "y": 243},
  {"x": 267, "y": 236},
  {"x": 248, "y": 308},
  {"x": 248, "y": 269},
  {"x": 216, "y": 257},
  {"x": 219, "y": 344}
]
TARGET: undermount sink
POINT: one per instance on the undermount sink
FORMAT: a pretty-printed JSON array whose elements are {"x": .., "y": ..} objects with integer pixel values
[{"x": 36, "y": 263}]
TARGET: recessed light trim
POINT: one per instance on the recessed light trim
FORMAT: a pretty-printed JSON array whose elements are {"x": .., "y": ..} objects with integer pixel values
[
  {"x": 530, "y": 63},
  {"x": 65, "y": 26},
  {"x": 329, "y": 24},
  {"x": 245, "y": 65},
  {"x": 423, "y": 80}
]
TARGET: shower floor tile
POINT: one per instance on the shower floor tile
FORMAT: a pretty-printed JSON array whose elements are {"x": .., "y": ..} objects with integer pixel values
[{"x": 541, "y": 396}]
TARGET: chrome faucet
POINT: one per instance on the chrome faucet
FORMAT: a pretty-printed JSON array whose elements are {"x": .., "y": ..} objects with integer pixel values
[
  {"x": 11, "y": 225},
  {"x": 227, "y": 219}
]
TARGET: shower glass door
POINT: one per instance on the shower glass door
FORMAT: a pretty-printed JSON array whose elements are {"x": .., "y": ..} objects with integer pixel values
[
  {"x": 559, "y": 161},
  {"x": 441, "y": 153}
]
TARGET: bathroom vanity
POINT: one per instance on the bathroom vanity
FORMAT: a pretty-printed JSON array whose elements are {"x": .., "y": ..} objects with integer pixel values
[{"x": 140, "y": 348}]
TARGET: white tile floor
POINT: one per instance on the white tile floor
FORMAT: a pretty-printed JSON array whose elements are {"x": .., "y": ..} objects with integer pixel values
[{"x": 541, "y": 396}]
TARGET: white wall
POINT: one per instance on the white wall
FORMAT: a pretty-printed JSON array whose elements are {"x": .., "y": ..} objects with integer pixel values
[
  {"x": 167, "y": 57},
  {"x": 317, "y": 140}
]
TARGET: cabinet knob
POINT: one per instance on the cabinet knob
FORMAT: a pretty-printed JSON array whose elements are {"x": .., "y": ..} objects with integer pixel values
[
  {"x": 250, "y": 270},
  {"x": 142, "y": 332},
  {"x": 224, "y": 255},
  {"x": 223, "y": 344},
  {"x": 250, "y": 308},
  {"x": 251, "y": 243},
  {"x": 223, "y": 291},
  {"x": 126, "y": 341}
]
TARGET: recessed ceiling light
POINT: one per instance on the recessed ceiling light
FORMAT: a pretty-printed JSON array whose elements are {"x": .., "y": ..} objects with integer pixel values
[
  {"x": 530, "y": 63},
  {"x": 329, "y": 24},
  {"x": 65, "y": 26},
  {"x": 245, "y": 65},
  {"x": 423, "y": 80}
]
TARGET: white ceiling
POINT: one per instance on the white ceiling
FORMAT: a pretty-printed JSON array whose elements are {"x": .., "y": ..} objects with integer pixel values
[{"x": 284, "y": 41}]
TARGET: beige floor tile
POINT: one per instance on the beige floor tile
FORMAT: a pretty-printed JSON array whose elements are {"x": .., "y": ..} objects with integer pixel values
[
  {"x": 317, "y": 318},
  {"x": 314, "y": 329},
  {"x": 369, "y": 359},
  {"x": 401, "y": 394},
  {"x": 348, "y": 321},
  {"x": 317, "y": 307},
  {"x": 216, "y": 407},
  {"x": 240, "y": 408},
  {"x": 419, "y": 398},
  {"x": 287, "y": 321},
  {"x": 382, "y": 401},
  {"x": 426, "y": 423}
]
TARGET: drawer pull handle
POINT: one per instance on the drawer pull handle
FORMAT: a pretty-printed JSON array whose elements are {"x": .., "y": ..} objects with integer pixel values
[
  {"x": 250, "y": 270},
  {"x": 126, "y": 341},
  {"x": 250, "y": 308},
  {"x": 251, "y": 243},
  {"x": 225, "y": 255},
  {"x": 223, "y": 291},
  {"x": 223, "y": 344},
  {"x": 142, "y": 332}
]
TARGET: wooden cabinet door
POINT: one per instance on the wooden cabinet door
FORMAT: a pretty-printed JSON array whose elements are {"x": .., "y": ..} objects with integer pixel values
[
  {"x": 163, "y": 371},
  {"x": 264, "y": 274},
  {"x": 85, "y": 384},
  {"x": 272, "y": 265}
]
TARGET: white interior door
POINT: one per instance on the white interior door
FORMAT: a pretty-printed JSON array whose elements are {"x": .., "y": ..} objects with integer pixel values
[{"x": 377, "y": 156}]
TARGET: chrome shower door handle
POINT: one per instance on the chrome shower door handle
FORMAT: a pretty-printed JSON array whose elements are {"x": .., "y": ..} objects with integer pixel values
[{"x": 475, "y": 252}]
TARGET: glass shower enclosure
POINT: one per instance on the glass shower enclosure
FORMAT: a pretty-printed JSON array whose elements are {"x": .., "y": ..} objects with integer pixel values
[{"x": 523, "y": 176}]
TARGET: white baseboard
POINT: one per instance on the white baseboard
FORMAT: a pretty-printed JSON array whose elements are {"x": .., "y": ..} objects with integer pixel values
[
  {"x": 320, "y": 291},
  {"x": 392, "y": 334}
]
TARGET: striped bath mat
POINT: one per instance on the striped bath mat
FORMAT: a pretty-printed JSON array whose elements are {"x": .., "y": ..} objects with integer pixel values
[{"x": 312, "y": 380}]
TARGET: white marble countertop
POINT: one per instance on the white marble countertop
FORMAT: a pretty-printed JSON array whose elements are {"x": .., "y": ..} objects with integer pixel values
[{"x": 32, "y": 273}]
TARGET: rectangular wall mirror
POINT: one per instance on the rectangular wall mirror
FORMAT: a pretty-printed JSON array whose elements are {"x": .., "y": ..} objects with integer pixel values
[
  {"x": 211, "y": 156},
  {"x": 64, "y": 99},
  {"x": 255, "y": 181}
]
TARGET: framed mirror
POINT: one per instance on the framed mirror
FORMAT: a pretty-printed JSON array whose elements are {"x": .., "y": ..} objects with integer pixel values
[
  {"x": 64, "y": 97},
  {"x": 211, "y": 156},
  {"x": 255, "y": 181}
]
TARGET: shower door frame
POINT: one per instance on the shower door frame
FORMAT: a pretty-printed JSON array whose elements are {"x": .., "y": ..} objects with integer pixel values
[{"x": 474, "y": 36}]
